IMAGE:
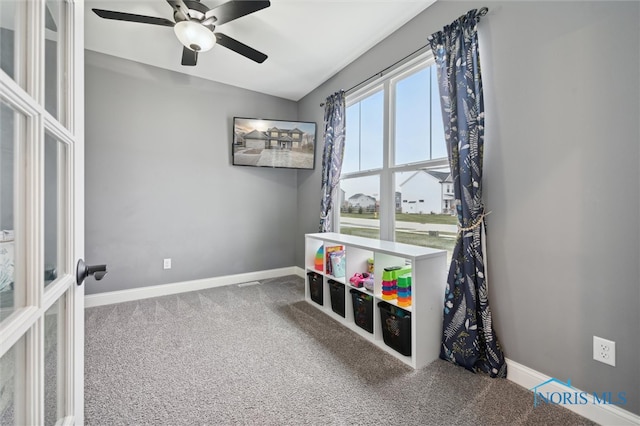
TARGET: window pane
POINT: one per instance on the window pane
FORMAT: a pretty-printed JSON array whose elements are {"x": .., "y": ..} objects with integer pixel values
[
  {"x": 438, "y": 147},
  {"x": 426, "y": 215},
  {"x": 371, "y": 131},
  {"x": 413, "y": 109},
  {"x": 12, "y": 137},
  {"x": 364, "y": 134},
  {"x": 419, "y": 134},
  {"x": 12, "y": 40},
  {"x": 54, "y": 60},
  {"x": 12, "y": 384},
  {"x": 351, "y": 160},
  {"x": 54, "y": 211},
  {"x": 54, "y": 373},
  {"x": 359, "y": 206}
]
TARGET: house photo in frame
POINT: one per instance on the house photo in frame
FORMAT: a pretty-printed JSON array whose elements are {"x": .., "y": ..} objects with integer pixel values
[{"x": 273, "y": 143}]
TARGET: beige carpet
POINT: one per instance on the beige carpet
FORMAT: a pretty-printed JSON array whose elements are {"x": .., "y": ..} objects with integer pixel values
[{"x": 260, "y": 355}]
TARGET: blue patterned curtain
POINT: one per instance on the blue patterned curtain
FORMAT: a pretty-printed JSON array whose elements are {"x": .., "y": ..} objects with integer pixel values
[
  {"x": 468, "y": 336},
  {"x": 334, "y": 131}
]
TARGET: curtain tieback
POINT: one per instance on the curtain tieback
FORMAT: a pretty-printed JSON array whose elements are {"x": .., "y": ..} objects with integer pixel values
[{"x": 475, "y": 224}]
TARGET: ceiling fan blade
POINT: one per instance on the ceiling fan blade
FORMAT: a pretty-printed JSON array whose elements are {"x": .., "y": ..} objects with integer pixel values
[
  {"x": 189, "y": 57},
  {"x": 241, "y": 48},
  {"x": 234, "y": 9},
  {"x": 130, "y": 17}
]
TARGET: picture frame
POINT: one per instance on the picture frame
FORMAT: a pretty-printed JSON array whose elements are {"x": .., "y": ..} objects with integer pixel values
[{"x": 273, "y": 143}]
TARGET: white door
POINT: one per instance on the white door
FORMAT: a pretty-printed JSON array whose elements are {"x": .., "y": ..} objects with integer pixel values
[{"x": 41, "y": 211}]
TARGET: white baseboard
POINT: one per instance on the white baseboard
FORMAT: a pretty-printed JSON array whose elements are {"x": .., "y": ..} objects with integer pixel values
[
  {"x": 599, "y": 413},
  {"x": 299, "y": 271},
  {"x": 108, "y": 298}
]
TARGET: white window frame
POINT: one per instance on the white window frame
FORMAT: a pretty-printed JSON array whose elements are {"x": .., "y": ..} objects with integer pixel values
[{"x": 387, "y": 83}]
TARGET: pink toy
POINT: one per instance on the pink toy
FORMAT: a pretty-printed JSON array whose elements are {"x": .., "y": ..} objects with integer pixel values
[
  {"x": 362, "y": 279},
  {"x": 356, "y": 280}
]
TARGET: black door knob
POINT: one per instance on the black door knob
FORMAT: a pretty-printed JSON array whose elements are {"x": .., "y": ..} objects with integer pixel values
[{"x": 83, "y": 271}]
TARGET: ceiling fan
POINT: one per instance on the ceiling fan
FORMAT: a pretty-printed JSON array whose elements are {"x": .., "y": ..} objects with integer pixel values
[{"x": 194, "y": 25}]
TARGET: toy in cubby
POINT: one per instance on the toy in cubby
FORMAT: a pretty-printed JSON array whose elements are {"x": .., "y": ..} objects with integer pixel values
[
  {"x": 390, "y": 281},
  {"x": 357, "y": 279},
  {"x": 335, "y": 257},
  {"x": 389, "y": 288},
  {"x": 404, "y": 290},
  {"x": 370, "y": 265},
  {"x": 368, "y": 283},
  {"x": 338, "y": 264},
  {"x": 363, "y": 279},
  {"x": 317, "y": 261}
]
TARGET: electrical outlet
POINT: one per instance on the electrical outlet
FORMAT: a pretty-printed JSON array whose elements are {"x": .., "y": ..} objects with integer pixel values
[
  {"x": 604, "y": 350},
  {"x": 167, "y": 264}
]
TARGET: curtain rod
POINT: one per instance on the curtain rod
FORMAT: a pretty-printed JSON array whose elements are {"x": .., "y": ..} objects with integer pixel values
[{"x": 483, "y": 11}]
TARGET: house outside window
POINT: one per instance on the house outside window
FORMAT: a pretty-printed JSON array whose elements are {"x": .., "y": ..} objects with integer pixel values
[{"x": 396, "y": 159}]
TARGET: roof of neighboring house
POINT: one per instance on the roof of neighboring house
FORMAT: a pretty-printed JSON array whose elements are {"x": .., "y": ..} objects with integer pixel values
[
  {"x": 358, "y": 195},
  {"x": 441, "y": 176},
  {"x": 255, "y": 135}
]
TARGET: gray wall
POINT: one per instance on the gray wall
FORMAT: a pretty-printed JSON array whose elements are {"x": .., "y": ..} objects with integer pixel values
[
  {"x": 159, "y": 183},
  {"x": 562, "y": 161}
]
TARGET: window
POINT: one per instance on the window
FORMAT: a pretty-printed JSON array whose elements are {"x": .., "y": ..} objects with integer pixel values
[
  {"x": 365, "y": 134},
  {"x": 359, "y": 206},
  {"x": 395, "y": 183}
]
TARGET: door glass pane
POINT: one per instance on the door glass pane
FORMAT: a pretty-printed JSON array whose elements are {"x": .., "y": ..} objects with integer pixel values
[
  {"x": 359, "y": 206},
  {"x": 54, "y": 59},
  {"x": 54, "y": 373},
  {"x": 54, "y": 208},
  {"x": 425, "y": 213},
  {"x": 12, "y": 40},
  {"x": 12, "y": 384},
  {"x": 12, "y": 134}
]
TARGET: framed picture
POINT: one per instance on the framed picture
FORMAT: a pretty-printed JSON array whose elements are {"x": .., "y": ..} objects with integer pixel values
[{"x": 273, "y": 143}]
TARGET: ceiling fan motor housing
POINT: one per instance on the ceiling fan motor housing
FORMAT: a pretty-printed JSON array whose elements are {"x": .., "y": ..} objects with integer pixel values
[{"x": 196, "y": 12}]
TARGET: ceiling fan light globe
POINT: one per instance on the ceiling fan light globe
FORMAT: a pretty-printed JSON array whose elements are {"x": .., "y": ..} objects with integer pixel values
[{"x": 194, "y": 36}]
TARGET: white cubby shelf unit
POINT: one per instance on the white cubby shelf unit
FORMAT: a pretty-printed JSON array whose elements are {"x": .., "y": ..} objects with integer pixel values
[{"x": 428, "y": 274}]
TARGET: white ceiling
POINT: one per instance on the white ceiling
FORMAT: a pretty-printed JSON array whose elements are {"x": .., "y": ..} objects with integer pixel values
[{"x": 307, "y": 41}]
